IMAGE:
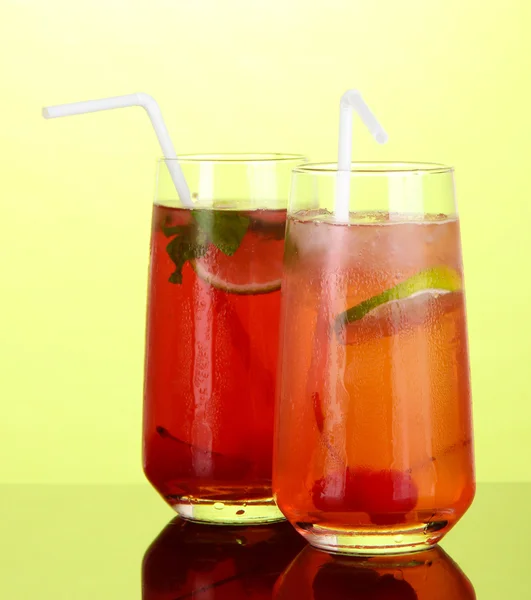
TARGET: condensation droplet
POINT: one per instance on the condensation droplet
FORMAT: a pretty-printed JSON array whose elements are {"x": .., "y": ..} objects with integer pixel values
[
  {"x": 219, "y": 505},
  {"x": 398, "y": 538}
]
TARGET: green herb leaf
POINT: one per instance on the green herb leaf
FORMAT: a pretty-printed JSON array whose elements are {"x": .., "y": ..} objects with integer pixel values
[
  {"x": 191, "y": 244},
  {"x": 225, "y": 229},
  {"x": 173, "y": 230}
]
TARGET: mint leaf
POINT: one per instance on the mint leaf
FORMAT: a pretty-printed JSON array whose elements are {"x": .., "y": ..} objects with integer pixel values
[
  {"x": 187, "y": 246},
  {"x": 173, "y": 230},
  {"x": 225, "y": 229}
]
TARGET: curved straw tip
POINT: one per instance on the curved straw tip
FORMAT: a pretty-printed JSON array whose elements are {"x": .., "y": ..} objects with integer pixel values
[
  {"x": 381, "y": 136},
  {"x": 349, "y": 96}
]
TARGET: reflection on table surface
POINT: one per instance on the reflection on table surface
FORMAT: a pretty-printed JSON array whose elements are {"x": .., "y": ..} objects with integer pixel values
[
  {"x": 429, "y": 575},
  {"x": 120, "y": 542},
  {"x": 200, "y": 561},
  {"x": 252, "y": 563}
]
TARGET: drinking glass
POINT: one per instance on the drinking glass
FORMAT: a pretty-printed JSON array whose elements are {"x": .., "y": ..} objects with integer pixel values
[
  {"x": 374, "y": 436},
  {"x": 212, "y": 336}
]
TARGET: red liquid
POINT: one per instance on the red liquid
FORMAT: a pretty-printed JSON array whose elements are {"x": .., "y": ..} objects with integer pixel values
[
  {"x": 194, "y": 561},
  {"x": 211, "y": 361}
]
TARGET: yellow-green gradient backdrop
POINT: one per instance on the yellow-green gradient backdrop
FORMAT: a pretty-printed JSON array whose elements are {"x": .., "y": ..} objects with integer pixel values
[{"x": 449, "y": 80}]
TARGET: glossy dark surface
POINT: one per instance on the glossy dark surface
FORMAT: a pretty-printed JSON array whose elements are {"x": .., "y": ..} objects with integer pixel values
[{"x": 115, "y": 542}]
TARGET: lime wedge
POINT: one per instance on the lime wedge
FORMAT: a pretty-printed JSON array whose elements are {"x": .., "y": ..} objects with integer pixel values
[
  {"x": 412, "y": 302},
  {"x": 254, "y": 268},
  {"x": 247, "y": 288}
]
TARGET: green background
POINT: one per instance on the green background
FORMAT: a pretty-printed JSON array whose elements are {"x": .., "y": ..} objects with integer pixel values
[
  {"x": 448, "y": 79},
  {"x": 81, "y": 542}
]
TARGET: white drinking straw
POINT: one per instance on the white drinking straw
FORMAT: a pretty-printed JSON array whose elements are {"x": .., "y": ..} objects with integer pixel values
[
  {"x": 152, "y": 108},
  {"x": 351, "y": 100}
]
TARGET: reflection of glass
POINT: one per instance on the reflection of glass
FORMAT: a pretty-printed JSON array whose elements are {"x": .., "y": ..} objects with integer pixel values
[
  {"x": 374, "y": 437},
  {"x": 212, "y": 336},
  {"x": 427, "y": 575},
  {"x": 188, "y": 560}
]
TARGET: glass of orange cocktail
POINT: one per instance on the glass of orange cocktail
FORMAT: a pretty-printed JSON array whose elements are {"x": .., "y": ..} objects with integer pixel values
[{"x": 374, "y": 437}]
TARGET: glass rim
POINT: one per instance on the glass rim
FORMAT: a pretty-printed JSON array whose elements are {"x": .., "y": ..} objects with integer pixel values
[
  {"x": 236, "y": 157},
  {"x": 377, "y": 168}
]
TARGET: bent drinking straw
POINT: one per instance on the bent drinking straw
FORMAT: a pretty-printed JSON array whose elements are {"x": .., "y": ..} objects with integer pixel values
[
  {"x": 150, "y": 105},
  {"x": 351, "y": 100}
]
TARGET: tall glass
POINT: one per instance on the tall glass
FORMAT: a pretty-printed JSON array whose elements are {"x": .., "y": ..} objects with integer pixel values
[
  {"x": 374, "y": 436},
  {"x": 212, "y": 336}
]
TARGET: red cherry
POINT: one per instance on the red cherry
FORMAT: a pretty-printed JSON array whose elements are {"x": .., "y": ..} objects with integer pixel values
[{"x": 385, "y": 495}]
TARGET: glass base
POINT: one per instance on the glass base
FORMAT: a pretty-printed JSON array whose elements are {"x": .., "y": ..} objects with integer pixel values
[
  {"x": 413, "y": 538},
  {"x": 229, "y": 512}
]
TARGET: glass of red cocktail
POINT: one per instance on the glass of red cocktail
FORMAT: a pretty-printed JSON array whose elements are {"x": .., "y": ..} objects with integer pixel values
[{"x": 212, "y": 335}]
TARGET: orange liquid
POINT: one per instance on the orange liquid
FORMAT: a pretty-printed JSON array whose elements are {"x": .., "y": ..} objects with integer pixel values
[{"x": 376, "y": 431}]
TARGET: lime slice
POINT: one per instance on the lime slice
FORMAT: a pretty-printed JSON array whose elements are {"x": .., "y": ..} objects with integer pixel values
[
  {"x": 255, "y": 267},
  {"x": 423, "y": 297}
]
